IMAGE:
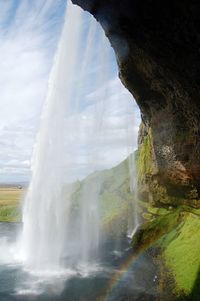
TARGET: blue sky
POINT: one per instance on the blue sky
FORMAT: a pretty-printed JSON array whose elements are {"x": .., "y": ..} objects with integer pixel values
[{"x": 29, "y": 33}]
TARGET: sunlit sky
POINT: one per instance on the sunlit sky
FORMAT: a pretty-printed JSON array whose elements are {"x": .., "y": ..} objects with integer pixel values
[{"x": 29, "y": 34}]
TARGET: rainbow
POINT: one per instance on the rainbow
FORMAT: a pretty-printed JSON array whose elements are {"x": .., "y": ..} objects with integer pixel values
[
  {"x": 121, "y": 272},
  {"x": 128, "y": 262}
]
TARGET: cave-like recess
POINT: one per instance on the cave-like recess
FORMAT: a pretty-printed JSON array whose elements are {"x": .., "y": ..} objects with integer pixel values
[{"x": 157, "y": 46}]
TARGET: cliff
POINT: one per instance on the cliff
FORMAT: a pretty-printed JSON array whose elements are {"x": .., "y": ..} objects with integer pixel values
[
  {"x": 157, "y": 47},
  {"x": 157, "y": 50}
]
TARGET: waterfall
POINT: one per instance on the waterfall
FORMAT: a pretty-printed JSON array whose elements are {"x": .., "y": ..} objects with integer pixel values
[
  {"x": 133, "y": 212},
  {"x": 52, "y": 231},
  {"x": 133, "y": 218},
  {"x": 55, "y": 233},
  {"x": 46, "y": 208}
]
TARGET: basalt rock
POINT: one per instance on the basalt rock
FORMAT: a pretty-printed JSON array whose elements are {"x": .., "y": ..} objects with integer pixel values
[{"x": 157, "y": 46}]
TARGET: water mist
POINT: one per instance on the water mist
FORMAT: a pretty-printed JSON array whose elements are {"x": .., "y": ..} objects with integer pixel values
[
  {"x": 53, "y": 232},
  {"x": 133, "y": 218},
  {"x": 46, "y": 209},
  {"x": 56, "y": 235},
  {"x": 133, "y": 212}
]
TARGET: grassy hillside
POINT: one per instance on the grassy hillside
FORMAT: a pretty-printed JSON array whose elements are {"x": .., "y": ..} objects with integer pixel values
[{"x": 111, "y": 186}]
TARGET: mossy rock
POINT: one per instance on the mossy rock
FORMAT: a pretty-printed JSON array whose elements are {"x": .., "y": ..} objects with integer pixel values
[
  {"x": 152, "y": 231},
  {"x": 177, "y": 237},
  {"x": 143, "y": 156},
  {"x": 182, "y": 255}
]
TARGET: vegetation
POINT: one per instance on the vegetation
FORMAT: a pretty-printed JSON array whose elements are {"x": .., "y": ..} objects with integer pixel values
[
  {"x": 176, "y": 233},
  {"x": 170, "y": 227},
  {"x": 173, "y": 230},
  {"x": 114, "y": 196},
  {"x": 182, "y": 255},
  {"x": 150, "y": 232},
  {"x": 113, "y": 192},
  {"x": 10, "y": 204},
  {"x": 144, "y": 158}
]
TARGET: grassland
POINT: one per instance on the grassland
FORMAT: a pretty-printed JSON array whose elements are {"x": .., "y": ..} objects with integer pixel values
[{"x": 10, "y": 200}]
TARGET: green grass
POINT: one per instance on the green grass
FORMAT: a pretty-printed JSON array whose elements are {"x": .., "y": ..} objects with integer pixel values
[
  {"x": 10, "y": 204},
  {"x": 151, "y": 231},
  {"x": 113, "y": 193},
  {"x": 9, "y": 213},
  {"x": 182, "y": 254},
  {"x": 177, "y": 235}
]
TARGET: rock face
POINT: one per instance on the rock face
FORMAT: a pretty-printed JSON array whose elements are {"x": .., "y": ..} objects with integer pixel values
[{"x": 157, "y": 46}]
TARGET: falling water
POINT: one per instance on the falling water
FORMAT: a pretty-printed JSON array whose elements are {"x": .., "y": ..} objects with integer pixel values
[
  {"x": 133, "y": 215},
  {"x": 46, "y": 209},
  {"x": 55, "y": 232},
  {"x": 51, "y": 230},
  {"x": 133, "y": 218}
]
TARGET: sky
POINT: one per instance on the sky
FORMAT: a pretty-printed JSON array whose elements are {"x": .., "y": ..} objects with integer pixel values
[{"x": 29, "y": 35}]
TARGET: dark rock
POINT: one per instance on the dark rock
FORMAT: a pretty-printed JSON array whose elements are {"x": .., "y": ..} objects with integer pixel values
[{"x": 157, "y": 46}]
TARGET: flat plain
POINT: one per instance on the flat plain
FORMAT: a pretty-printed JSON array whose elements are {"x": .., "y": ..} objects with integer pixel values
[{"x": 10, "y": 203}]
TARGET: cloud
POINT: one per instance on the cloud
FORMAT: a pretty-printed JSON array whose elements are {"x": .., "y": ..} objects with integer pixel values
[
  {"x": 28, "y": 36},
  {"x": 100, "y": 132},
  {"x": 100, "y": 141}
]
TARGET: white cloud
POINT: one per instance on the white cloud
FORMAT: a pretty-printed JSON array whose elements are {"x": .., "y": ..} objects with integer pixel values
[
  {"x": 26, "y": 50},
  {"x": 100, "y": 141},
  {"x": 99, "y": 135}
]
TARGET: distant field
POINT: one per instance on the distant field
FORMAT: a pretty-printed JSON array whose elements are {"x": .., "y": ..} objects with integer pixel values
[
  {"x": 114, "y": 197},
  {"x": 10, "y": 200}
]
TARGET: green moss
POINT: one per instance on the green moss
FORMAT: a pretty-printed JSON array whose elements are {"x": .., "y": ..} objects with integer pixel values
[
  {"x": 143, "y": 204},
  {"x": 159, "y": 194},
  {"x": 158, "y": 211},
  {"x": 144, "y": 158},
  {"x": 147, "y": 216},
  {"x": 182, "y": 254},
  {"x": 152, "y": 185},
  {"x": 177, "y": 235},
  {"x": 150, "y": 232}
]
